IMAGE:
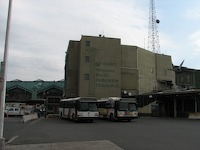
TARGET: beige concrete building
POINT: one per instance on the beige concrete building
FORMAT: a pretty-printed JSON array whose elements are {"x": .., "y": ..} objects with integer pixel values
[{"x": 102, "y": 67}]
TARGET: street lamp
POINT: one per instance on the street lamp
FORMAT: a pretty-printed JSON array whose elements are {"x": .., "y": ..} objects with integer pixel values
[{"x": 3, "y": 78}]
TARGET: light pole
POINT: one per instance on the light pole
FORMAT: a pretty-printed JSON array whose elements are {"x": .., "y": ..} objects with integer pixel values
[{"x": 3, "y": 78}]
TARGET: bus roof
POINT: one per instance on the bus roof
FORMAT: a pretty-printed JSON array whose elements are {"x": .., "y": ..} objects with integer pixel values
[
  {"x": 109, "y": 99},
  {"x": 116, "y": 99},
  {"x": 80, "y": 98}
]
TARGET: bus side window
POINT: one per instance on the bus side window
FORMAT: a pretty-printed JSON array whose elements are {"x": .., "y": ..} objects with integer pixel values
[
  {"x": 109, "y": 105},
  {"x": 73, "y": 104},
  {"x": 117, "y": 105},
  {"x": 61, "y": 104},
  {"x": 101, "y": 105},
  {"x": 77, "y": 105},
  {"x": 69, "y": 104},
  {"x": 66, "y": 105}
]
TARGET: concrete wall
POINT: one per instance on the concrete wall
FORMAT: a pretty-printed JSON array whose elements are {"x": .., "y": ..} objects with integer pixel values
[
  {"x": 146, "y": 110},
  {"x": 72, "y": 65},
  {"x": 155, "y": 73},
  {"x": 129, "y": 71},
  {"x": 103, "y": 68},
  {"x": 147, "y": 71},
  {"x": 164, "y": 68}
]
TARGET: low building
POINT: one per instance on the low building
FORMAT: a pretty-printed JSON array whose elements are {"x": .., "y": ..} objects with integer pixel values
[{"x": 35, "y": 92}]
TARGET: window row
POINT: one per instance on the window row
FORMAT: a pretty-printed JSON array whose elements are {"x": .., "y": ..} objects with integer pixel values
[{"x": 186, "y": 79}]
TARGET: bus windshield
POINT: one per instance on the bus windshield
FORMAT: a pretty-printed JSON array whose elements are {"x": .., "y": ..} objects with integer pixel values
[
  {"x": 85, "y": 106},
  {"x": 125, "y": 106}
]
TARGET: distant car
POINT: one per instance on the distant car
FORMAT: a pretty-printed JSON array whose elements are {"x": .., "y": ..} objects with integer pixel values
[
  {"x": 6, "y": 112},
  {"x": 13, "y": 111}
]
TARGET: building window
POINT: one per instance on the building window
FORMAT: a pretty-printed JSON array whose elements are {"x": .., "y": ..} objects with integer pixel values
[
  {"x": 87, "y": 59},
  {"x": 189, "y": 79},
  {"x": 165, "y": 72},
  {"x": 86, "y": 77},
  {"x": 182, "y": 79},
  {"x": 152, "y": 70},
  {"x": 87, "y": 43}
]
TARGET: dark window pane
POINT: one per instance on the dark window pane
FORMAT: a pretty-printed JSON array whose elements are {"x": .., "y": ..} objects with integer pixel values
[
  {"x": 87, "y": 58},
  {"x": 86, "y": 77},
  {"x": 87, "y": 43}
]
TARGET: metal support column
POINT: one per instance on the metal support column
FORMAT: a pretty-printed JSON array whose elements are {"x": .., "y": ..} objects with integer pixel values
[
  {"x": 175, "y": 111},
  {"x": 195, "y": 104}
]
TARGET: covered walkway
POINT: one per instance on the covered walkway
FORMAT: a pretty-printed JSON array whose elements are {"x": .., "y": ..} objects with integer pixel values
[{"x": 172, "y": 103}]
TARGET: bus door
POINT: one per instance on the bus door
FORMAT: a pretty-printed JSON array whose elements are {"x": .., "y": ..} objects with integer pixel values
[
  {"x": 110, "y": 105},
  {"x": 103, "y": 111},
  {"x": 116, "y": 108}
]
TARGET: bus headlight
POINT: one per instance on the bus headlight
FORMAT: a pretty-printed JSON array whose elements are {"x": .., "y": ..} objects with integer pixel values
[
  {"x": 135, "y": 114},
  {"x": 80, "y": 114}
]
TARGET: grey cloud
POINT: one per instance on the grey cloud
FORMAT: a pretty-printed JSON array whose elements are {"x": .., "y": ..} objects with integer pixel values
[{"x": 41, "y": 30}]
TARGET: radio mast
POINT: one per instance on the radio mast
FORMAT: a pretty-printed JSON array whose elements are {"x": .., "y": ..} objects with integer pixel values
[{"x": 153, "y": 37}]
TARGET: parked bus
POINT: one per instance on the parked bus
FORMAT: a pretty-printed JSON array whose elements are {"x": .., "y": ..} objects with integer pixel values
[
  {"x": 80, "y": 108},
  {"x": 116, "y": 108}
]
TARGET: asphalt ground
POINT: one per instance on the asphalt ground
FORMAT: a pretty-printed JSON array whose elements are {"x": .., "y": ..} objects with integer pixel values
[
  {"x": 86, "y": 145},
  {"x": 145, "y": 133}
]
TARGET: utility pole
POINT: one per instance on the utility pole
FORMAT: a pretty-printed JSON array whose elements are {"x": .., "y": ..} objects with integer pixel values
[
  {"x": 153, "y": 37},
  {"x": 3, "y": 77}
]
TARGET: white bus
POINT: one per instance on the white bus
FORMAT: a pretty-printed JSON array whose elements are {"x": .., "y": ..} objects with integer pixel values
[
  {"x": 116, "y": 108},
  {"x": 80, "y": 108}
]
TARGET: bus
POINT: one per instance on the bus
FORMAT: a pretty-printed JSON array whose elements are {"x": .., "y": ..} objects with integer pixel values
[
  {"x": 79, "y": 108},
  {"x": 116, "y": 108}
]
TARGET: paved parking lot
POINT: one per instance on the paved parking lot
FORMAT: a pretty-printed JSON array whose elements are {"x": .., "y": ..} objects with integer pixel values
[{"x": 145, "y": 133}]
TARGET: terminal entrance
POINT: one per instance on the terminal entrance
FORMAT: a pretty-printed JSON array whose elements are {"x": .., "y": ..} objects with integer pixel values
[
  {"x": 178, "y": 105},
  {"x": 176, "y": 108},
  {"x": 171, "y": 104}
]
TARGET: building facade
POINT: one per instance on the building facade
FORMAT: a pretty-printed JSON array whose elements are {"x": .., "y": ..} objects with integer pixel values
[
  {"x": 102, "y": 67},
  {"x": 187, "y": 78}
]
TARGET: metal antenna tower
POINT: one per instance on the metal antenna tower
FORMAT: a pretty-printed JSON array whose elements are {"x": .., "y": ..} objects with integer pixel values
[{"x": 153, "y": 37}]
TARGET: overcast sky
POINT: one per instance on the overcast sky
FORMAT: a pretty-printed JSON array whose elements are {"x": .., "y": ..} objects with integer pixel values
[{"x": 41, "y": 30}]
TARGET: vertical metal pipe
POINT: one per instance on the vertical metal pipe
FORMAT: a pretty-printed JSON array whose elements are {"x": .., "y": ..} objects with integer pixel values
[
  {"x": 195, "y": 104},
  {"x": 3, "y": 77},
  {"x": 175, "y": 107}
]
